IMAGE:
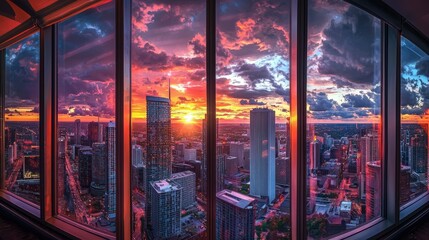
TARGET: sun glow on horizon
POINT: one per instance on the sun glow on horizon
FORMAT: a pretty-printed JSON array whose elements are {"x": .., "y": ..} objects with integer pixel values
[{"x": 188, "y": 118}]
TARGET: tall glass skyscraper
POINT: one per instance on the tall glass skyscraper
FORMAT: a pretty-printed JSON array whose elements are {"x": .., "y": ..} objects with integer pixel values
[
  {"x": 111, "y": 169},
  {"x": 158, "y": 162},
  {"x": 262, "y": 153}
]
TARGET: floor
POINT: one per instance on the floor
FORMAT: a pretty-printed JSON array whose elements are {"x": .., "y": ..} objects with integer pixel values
[
  {"x": 11, "y": 231},
  {"x": 418, "y": 232}
]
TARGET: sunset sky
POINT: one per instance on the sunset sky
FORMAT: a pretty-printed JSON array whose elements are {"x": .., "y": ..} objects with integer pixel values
[{"x": 168, "y": 43}]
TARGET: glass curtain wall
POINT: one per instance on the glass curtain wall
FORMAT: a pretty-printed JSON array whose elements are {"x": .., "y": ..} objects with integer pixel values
[
  {"x": 21, "y": 133},
  {"x": 86, "y": 140},
  {"x": 414, "y": 121},
  {"x": 169, "y": 163},
  {"x": 252, "y": 111},
  {"x": 344, "y": 163}
]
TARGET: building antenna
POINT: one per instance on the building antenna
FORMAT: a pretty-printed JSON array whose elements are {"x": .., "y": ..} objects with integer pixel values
[{"x": 169, "y": 86}]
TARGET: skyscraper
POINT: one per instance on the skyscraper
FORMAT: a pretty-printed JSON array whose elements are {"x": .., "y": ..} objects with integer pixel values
[
  {"x": 158, "y": 161},
  {"x": 262, "y": 153},
  {"x": 99, "y": 161},
  {"x": 186, "y": 180},
  {"x": 373, "y": 190},
  {"x": 111, "y": 169},
  {"x": 236, "y": 149},
  {"x": 314, "y": 155},
  {"x": 77, "y": 130},
  {"x": 85, "y": 167},
  {"x": 404, "y": 185},
  {"x": 236, "y": 214},
  {"x": 370, "y": 152},
  {"x": 92, "y": 133},
  {"x": 100, "y": 132},
  {"x": 137, "y": 155},
  {"x": 166, "y": 198},
  {"x": 158, "y": 138},
  {"x": 418, "y": 153}
]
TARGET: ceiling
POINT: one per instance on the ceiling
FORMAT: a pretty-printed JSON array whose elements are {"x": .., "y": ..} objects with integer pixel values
[
  {"x": 18, "y": 18},
  {"x": 15, "y": 12},
  {"x": 416, "y": 12},
  {"x": 17, "y": 15}
]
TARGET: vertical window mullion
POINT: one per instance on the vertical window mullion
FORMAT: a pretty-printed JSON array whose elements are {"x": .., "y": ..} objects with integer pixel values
[
  {"x": 123, "y": 118},
  {"x": 391, "y": 121},
  {"x": 298, "y": 115},
  {"x": 46, "y": 121},
  {"x": 2, "y": 98},
  {"x": 211, "y": 117}
]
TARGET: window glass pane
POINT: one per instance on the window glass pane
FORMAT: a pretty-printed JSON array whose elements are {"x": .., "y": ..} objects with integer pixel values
[
  {"x": 22, "y": 157},
  {"x": 86, "y": 118},
  {"x": 168, "y": 111},
  {"x": 344, "y": 164},
  {"x": 253, "y": 165},
  {"x": 414, "y": 121}
]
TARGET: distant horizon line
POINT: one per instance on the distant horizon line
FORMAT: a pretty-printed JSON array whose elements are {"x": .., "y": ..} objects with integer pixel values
[{"x": 226, "y": 121}]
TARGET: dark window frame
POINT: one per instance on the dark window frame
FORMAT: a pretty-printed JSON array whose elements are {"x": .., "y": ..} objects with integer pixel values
[{"x": 393, "y": 216}]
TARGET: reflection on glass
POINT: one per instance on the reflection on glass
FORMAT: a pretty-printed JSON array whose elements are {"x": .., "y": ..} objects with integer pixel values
[
  {"x": 21, "y": 133},
  {"x": 414, "y": 121},
  {"x": 86, "y": 118},
  {"x": 344, "y": 165},
  {"x": 168, "y": 128},
  {"x": 252, "y": 182}
]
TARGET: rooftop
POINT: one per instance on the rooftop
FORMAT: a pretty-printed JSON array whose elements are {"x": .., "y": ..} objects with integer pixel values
[{"x": 235, "y": 198}]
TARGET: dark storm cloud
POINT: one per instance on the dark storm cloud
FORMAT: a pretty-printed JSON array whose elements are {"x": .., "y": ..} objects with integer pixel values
[
  {"x": 358, "y": 101},
  {"x": 408, "y": 98},
  {"x": 319, "y": 102},
  {"x": 146, "y": 56},
  {"x": 243, "y": 93},
  {"x": 99, "y": 72},
  {"x": 22, "y": 72},
  {"x": 350, "y": 48},
  {"x": 251, "y": 101},
  {"x": 152, "y": 92},
  {"x": 333, "y": 114},
  {"x": 253, "y": 72},
  {"x": 198, "y": 46},
  {"x": 285, "y": 93},
  {"x": 87, "y": 27},
  {"x": 340, "y": 82},
  {"x": 197, "y": 75},
  {"x": 422, "y": 66}
]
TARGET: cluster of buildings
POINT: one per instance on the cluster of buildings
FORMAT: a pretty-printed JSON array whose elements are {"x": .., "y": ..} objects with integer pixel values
[{"x": 92, "y": 157}]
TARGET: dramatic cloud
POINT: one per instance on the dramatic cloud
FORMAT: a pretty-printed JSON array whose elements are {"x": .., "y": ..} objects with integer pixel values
[
  {"x": 320, "y": 102},
  {"x": 251, "y": 101},
  {"x": 22, "y": 73},
  {"x": 358, "y": 101},
  {"x": 351, "y": 48},
  {"x": 423, "y": 67}
]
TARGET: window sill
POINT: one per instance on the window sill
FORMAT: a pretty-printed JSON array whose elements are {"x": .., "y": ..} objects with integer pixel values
[
  {"x": 20, "y": 203},
  {"x": 369, "y": 230},
  {"x": 413, "y": 206},
  {"x": 79, "y": 231}
]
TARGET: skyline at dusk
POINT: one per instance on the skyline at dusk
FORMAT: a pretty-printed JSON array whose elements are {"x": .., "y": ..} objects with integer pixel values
[{"x": 252, "y": 64}]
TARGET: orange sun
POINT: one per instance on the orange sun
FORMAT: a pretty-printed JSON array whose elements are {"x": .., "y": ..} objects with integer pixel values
[{"x": 188, "y": 118}]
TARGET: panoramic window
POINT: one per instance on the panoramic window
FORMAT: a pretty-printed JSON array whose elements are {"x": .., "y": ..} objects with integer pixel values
[
  {"x": 21, "y": 133},
  {"x": 252, "y": 111},
  {"x": 414, "y": 121},
  {"x": 86, "y": 118},
  {"x": 168, "y": 111},
  {"x": 344, "y": 164}
]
